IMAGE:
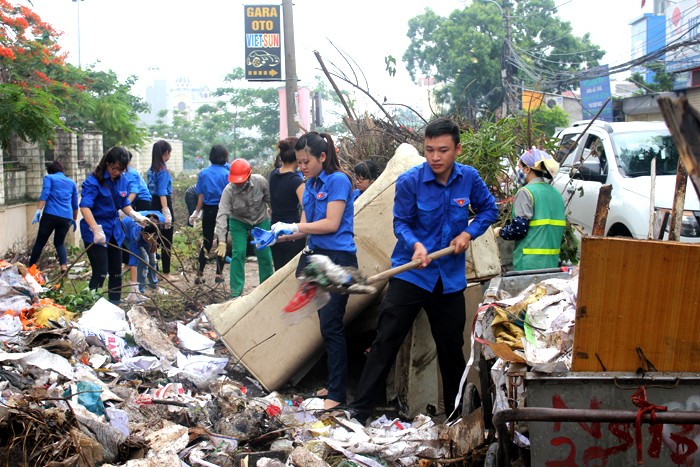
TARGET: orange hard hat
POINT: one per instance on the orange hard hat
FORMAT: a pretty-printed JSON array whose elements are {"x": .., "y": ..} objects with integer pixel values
[{"x": 240, "y": 171}]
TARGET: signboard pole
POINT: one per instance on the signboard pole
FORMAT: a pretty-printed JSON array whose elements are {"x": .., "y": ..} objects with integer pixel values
[{"x": 290, "y": 67}]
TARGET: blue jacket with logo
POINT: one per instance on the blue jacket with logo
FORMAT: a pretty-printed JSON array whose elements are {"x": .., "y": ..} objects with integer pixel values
[
  {"x": 137, "y": 185},
  {"x": 434, "y": 214},
  {"x": 60, "y": 194},
  {"x": 319, "y": 192},
  {"x": 211, "y": 183},
  {"x": 104, "y": 200}
]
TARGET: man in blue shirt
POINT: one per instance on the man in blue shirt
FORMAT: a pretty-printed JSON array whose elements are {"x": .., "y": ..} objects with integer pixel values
[{"x": 431, "y": 211}]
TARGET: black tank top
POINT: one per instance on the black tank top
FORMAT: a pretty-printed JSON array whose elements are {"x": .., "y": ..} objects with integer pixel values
[{"x": 283, "y": 196}]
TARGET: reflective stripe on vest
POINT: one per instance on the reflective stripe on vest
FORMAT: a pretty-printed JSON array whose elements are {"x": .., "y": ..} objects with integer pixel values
[
  {"x": 557, "y": 222},
  {"x": 541, "y": 251}
]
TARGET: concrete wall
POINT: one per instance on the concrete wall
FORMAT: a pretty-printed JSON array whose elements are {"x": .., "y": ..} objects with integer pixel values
[
  {"x": 141, "y": 159},
  {"x": 22, "y": 177}
]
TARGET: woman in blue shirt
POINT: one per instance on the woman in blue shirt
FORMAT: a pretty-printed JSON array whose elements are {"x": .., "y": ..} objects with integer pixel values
[
  {"x": 139, "y": 196},
  {"x": 160, "y": 184},
  {"x": 210, "y": 184},
  {"x": 103, "y": 194},
  {"x": 366, "y": 172},
  {"x": 328, "y": 219},
  {"x": 59, "y": 202}
]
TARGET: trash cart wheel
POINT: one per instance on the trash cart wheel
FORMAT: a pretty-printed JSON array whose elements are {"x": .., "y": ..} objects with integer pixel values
[
  {"x": 470, "y": 400},
  {"x": 491, "y": 459}
]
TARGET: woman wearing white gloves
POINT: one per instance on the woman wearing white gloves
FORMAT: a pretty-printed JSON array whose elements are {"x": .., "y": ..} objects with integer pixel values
[
  {"x": 328, "y": 219},
  {"x": 160, "y": 184},
  {"x": 103, "y": 194}
]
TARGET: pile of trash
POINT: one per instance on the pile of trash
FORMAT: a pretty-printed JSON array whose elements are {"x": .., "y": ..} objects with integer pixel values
[
  {"x": 115, "y": 387},
  {"x": 533, "y": 330}
]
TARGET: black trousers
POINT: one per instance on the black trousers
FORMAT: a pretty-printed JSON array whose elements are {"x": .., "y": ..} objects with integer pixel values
[
  {"x": 141, "y": 205},
  {"x": 166, "y": 235},
  {"x": 104, "y": 261},
  {"x": 284, "y": 252},
  {"x": 209, "y": 212},
  {"x": 48, "y": 224},
  {"x": 398, "y": 311}
]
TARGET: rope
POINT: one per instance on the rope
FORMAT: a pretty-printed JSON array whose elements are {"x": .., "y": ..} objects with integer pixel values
[{"x": 639, "y": 399}]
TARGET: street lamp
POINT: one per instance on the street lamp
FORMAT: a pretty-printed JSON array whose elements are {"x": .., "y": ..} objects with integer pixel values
[{"x": 78, "y": 2}]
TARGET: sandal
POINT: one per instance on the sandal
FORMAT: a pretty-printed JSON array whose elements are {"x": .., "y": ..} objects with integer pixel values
[{"x": 219, "y": 280}]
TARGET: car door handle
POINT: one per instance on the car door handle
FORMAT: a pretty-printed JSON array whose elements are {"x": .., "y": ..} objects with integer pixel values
[{"x": 570, "y": 188}]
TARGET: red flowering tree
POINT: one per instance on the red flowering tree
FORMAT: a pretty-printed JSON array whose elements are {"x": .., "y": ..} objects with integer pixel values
[{"x": 40, "y": 92}]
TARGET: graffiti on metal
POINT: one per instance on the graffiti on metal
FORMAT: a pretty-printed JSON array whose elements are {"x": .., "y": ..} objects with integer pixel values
[{"x": 598, "y": 444}]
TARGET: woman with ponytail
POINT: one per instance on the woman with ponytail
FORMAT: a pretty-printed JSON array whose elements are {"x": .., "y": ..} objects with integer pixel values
[
  {"x": 160, "y": 185},
  {"x": 328, "y": 220}
]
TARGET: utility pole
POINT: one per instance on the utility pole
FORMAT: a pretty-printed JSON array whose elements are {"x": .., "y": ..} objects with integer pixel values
[
  {"x": 506, "y": 69},
  {"x": 79, "y": 62},
  {"x": 290, "y": 67}
]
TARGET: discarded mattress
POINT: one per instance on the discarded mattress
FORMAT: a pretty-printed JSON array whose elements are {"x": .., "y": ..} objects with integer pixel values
[{"x": 272, "y": 350}]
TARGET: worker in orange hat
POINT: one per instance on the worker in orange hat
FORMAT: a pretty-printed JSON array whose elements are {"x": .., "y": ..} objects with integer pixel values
[{"x": 244, "y": 204}]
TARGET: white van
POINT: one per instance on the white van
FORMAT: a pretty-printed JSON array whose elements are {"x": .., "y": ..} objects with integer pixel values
[{"x": 620, "y": 154}]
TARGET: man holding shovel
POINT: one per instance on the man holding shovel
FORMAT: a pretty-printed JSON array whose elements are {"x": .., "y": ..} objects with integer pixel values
[{"x": 431, "y": 212}]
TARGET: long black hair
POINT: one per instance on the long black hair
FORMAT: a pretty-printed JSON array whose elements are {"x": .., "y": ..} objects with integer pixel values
[
  {"x": 316, "y": 143},
  {"x": 160, "y": 148},
  {"x": 116, "y": 155}
]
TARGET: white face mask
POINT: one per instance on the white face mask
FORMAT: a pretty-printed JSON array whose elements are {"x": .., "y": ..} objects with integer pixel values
[{"x": 520, "y": 177}]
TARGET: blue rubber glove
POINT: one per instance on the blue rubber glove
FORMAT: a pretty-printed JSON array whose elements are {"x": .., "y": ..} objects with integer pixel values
[
  {"x": 75, "y": 225},
  {"x": 283, "y": 228},
  {"x": 37, "y": 216},
  {"x": 263, "y": 238}
]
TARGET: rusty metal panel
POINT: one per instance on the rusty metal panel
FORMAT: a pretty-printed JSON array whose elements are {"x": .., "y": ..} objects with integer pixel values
[
  {"x": 637, "y": 297},
  {"x": 613, "y": 444}
]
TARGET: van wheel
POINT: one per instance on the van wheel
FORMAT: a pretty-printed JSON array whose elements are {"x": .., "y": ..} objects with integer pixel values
[
  {"x": 470, "y": 400},
  {"x": 619, "y": 230}
]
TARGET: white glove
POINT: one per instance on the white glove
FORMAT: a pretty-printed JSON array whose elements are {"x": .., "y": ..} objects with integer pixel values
[
  {"x": 139, "y": 218},
  {"x": 168, "y": 217},
  {"x": 195, "y": 217},
  {"x": 99, "y": 235},
  {"x": 283, "y": 228}
]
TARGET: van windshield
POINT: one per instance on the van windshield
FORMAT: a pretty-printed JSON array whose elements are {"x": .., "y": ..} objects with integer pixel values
[{"x": 634, "y": 152}]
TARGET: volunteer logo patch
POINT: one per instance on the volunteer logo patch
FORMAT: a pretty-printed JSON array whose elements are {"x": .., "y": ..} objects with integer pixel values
[
  {"x": 460, "y": 201},
  {"x": 122, "y": 194},
  {"x": 322, "y": 195}
]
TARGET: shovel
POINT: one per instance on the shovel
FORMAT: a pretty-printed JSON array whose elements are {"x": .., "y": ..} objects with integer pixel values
[{"x": 322, "y": 275}]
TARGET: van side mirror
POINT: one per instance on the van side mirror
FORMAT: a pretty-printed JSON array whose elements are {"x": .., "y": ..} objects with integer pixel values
[{"x": 589, "y": 170}]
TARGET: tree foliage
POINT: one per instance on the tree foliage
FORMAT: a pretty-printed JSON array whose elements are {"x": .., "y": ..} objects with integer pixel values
[
  {"x": 661, "y": 81},
  {"x": 245, "y": 121},
  {"x": 464, "y": 51},
  {"x": 40, "y": 92}
]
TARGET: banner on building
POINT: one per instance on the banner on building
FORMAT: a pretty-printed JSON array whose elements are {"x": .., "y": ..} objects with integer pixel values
[
  {"x": 263, "y": 42},
  {"x": 594, "y": 93}
]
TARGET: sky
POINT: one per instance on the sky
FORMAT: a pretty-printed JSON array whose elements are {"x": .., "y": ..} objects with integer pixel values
[{"x": 204, "y": 39}]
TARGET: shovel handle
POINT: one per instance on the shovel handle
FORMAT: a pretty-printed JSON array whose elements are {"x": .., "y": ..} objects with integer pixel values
[{"x": 408, "y": 266}]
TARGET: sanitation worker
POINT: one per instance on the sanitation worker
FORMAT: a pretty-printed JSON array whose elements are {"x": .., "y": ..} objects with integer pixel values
[
  {"x": 244, "y": 204},
  {"x": 539, "y": 214}
]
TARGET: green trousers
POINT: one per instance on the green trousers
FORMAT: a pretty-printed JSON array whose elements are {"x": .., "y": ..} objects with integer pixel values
[{"x": 239, "y": 241}]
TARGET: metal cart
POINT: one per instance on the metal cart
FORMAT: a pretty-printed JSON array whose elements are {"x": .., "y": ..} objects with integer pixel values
[{"x": 587, "y": 419}]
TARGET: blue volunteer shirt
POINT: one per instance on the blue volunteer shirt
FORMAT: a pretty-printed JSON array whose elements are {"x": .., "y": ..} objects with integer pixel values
[
  {"x": 60, "y": 194},
  {"x": 104, "y": 200},
  {"x": 434, "y": 214},
  {"x": 137, "y": 185},
  {"x": 211, "y": 183},
  {"x": 319, "y": 192},
  {"x": 356, "y": 194},
  {"x": 160, "y": 183},
  {"x": 133, "y": 234}
]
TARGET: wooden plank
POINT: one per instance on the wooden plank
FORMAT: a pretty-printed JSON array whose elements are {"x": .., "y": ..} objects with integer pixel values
[
  {"x": 683, "y": 122},
  {"x": 637, "y": 293},
  {"x": 601, "y": 210}
]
